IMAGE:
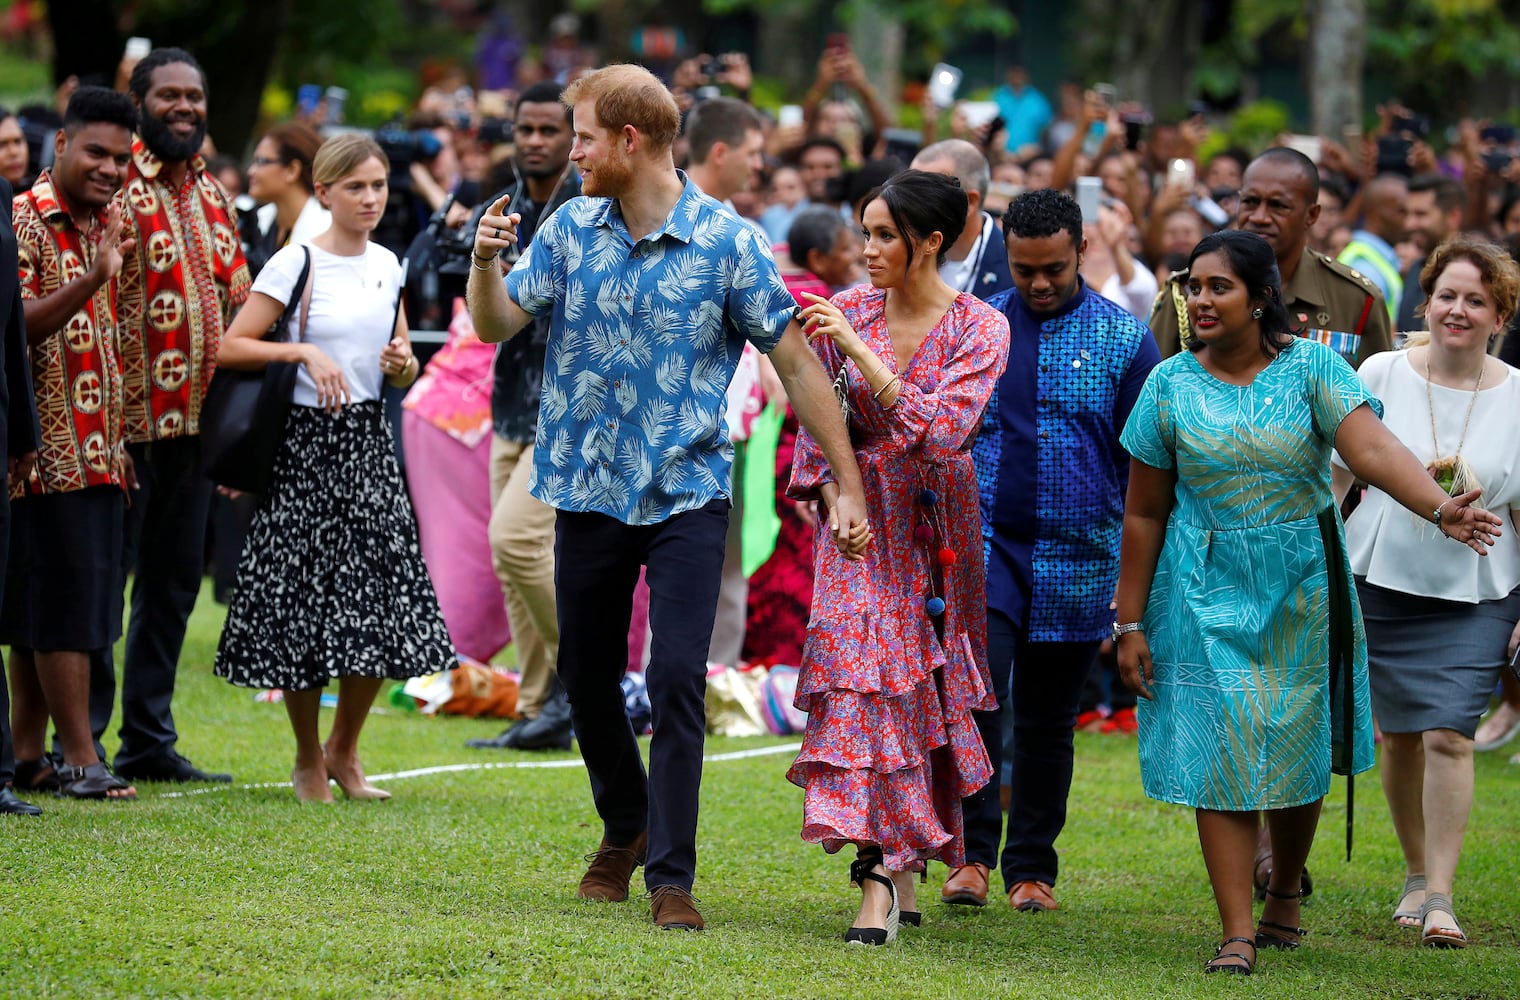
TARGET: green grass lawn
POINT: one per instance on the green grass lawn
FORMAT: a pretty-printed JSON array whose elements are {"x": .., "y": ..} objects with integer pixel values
[{"x": 464, "y": 885}]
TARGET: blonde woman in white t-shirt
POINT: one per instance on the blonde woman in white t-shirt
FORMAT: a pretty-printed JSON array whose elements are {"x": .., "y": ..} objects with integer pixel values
[
  {"x": 1441, "y": 620},
  {"x": 331, "y": 583}
]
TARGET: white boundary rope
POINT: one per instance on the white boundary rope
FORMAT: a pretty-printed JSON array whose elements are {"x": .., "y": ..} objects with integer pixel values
[{"x": 500, "y": 765}]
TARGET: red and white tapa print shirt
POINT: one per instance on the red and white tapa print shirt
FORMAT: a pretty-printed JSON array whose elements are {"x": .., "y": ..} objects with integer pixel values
[
  {"x": 179, "y": 289},
  {"x": 76, "y": 374}
]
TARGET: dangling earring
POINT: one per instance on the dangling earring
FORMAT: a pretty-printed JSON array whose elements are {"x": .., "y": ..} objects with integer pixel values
[{"x": 1256, "y": 313}]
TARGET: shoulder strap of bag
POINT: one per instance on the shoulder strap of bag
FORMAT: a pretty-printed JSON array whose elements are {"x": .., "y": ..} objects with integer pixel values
[
  {"x": 307, "y": 280},
  {"x": 406, "y": 266}
]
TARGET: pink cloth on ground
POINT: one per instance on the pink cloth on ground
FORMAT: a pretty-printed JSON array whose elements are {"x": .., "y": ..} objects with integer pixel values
[
  {"x": 446, "y": 433},
  {"x": 453, "y": 393},
  {"x": 450, "y": 486}
]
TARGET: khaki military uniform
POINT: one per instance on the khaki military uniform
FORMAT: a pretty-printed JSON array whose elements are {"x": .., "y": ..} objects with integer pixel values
[{"x": 1327, "y": 301}]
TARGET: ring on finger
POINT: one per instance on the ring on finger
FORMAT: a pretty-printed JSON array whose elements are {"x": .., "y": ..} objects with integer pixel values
[{"x": 498, "y": 233}]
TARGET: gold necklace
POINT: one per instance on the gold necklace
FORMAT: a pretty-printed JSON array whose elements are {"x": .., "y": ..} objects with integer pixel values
[{"x": 1448, "y": 472}]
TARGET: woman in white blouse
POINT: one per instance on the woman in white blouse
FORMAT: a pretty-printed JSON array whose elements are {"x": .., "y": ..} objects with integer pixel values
[
  {"x": 1441, "y": 620},
  {"x": 280, "y": 179},
  {"x": 331, "y": 584}
]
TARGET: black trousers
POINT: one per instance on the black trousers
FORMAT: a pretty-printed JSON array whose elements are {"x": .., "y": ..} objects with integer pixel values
[
  {"x": 596, "y": 567},
  {"x": 7, "y": 750},
  {"x": 1041, "y": 684},
  {"x": 165, "y": 551}
]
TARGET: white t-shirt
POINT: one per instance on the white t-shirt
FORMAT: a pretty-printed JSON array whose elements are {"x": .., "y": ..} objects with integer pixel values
[
  {"x": 353, "y": 307},
  {"x": 1395, "y": 549},
  {"x": 313, "y": 221}
]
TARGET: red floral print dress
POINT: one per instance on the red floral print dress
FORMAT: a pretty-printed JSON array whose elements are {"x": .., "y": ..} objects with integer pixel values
[{"x": 895, "y": 659}]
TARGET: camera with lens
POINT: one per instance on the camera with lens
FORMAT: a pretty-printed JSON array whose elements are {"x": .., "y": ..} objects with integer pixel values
[
  {"x": 494, "y": 131},
  {"x": 403, "y": 147}
]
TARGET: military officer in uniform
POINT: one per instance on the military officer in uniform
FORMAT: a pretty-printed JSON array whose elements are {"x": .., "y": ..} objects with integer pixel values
[{"x": 1327, "y": 300}]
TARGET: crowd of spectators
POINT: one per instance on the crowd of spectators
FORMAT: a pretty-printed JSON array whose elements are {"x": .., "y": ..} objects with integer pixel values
[{"x": 1150, "y": 189}]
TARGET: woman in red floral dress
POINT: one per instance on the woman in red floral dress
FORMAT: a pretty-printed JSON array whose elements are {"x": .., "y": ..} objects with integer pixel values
[{"x": 895, "y": 660}]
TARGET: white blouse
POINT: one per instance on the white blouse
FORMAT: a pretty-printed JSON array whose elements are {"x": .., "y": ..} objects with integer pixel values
[
  {"x": 1395, "y": 549},
  {"x": 353, "y": 309}
]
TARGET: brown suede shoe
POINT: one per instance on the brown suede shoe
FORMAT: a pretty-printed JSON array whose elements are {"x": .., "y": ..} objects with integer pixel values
[
  {"x": 674, "y": 909},
  {"x": 966, "y": 886},
  {"x": 611, "y": 867},
  {"x": 1032, "y": 897}
]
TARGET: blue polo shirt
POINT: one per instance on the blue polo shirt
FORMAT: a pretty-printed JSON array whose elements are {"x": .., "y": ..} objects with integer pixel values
[
  {"x": 644, "y": 338},
  {"x": 1051, "y": 473}
]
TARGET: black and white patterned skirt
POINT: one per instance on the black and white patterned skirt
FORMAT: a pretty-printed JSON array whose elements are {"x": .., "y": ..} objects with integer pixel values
[{"x": 331, "y": 582}]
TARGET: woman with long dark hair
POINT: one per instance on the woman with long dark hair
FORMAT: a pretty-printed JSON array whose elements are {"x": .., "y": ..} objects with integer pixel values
[
  {"x": 331, "y": 583},
  {"x": 895, "y": 659},
  {"x": 1237, "y": 621}
]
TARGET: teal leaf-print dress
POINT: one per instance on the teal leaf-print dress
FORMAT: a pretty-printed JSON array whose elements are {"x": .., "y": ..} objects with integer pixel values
[{"x": 1252, "y": 608}]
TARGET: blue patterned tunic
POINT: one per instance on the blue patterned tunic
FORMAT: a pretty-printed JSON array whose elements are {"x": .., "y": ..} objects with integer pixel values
[
  {"x": 1239, "y": 617},
  {"x": 1050, "y": 473},
  {"x": 644, "y": 338}
]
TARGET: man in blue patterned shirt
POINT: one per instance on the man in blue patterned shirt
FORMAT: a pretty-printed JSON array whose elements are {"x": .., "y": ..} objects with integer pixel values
[
  {"x": 1052, "y": 476},
  {"x": 652, "y": 288}
]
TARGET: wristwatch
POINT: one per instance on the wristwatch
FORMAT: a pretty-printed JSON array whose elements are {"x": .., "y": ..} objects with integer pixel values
[{"x": 1127, "y": 628}]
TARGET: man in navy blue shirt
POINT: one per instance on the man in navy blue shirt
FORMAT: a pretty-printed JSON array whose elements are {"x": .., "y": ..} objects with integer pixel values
[
  {"x": 978, "y": 262},
  {"x": 1052, "y": 476}
]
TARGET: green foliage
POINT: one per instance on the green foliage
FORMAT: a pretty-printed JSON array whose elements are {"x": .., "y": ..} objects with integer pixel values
[
  {"x": 1437, "y": 53},
  {"x": 23, "y": 80},
  {"x": 1256, "y": 126},
  {"x": 933, "y": 26}
]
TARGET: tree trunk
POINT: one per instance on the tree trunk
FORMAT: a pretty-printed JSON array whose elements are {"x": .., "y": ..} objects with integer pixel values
[
  {"x": 877, "y": 37},
  {"x": 778, "y": 52},
  {"x": 238, "y": 66},
  {"x": 85, "y": 41},
  {"x": 1148, "y": 60},
  {"x": 1337, "y": 46}
]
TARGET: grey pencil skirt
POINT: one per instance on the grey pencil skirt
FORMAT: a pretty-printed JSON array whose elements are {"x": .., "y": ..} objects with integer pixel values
[{"x": 1433, "y": 664}]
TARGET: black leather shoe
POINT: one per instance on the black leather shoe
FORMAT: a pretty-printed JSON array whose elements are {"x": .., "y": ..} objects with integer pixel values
[
  {"x": 507, "y": 740},
  {"x": 10, "y": 805},
  {"x": 169, "y": 766},
  {"x": 550, "y": 731}
]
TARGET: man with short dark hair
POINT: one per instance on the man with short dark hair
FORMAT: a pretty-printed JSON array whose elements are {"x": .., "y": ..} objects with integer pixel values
[
  {"x": 1432, "y": 215},
  {"x": 1076, "y": 363},
  {"x": 978, "y": 262},
  {"x": 1371, "y": 251},
  {"x": 179, "y": 288},
  {"x": 62, "y": 597},
  {"x": 18, "y": 453},
  {"x": 820, "y": 160},
  {"x": 725, "y": 137},
  {"x": 1327, "y": 301},
  {"x": 653, "y": 289},
  {"x": 522, "y": 526}
]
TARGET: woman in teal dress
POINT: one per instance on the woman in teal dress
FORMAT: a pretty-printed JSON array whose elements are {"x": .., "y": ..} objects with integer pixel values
[{"x": 1237, "y": 617}]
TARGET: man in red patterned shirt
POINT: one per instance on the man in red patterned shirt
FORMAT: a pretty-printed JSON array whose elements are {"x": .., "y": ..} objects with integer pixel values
[
  {"x": 179, "y": 289},
  {"x": 62, "y": 602}
]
